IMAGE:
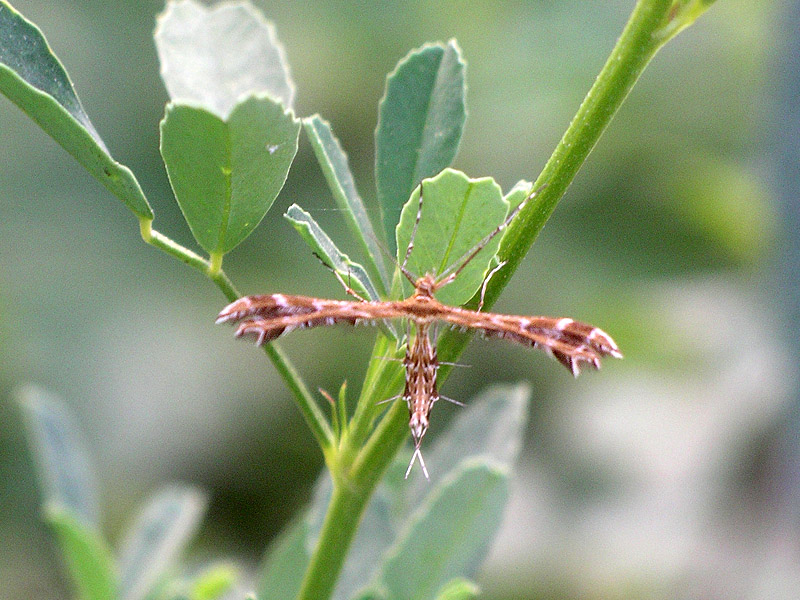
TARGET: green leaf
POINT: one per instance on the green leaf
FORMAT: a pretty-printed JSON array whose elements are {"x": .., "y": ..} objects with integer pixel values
[
  {"x": 226, "y": 174},
  {"x": 449, "y": 534},
  {"x": 64, "y": 468},
  {"x": 351, "y": 272},
  {"x": 214, "y": 582},
  {"x": 493, "y": 421},
  {"x": 458, "y": 589},
  {"x": 213, "y": 57},
  {"x": 518, "y": 193},
  {"x": 421, "y": 118},
  {"x": 333, "y": 161},
  {"x": 158, "y": 535},
  {"x": 457, "y": 213},
  {"x": 33, "y": 78},
  {"x": 285, "y": 564},
  {"x": 86, "y": 554}
]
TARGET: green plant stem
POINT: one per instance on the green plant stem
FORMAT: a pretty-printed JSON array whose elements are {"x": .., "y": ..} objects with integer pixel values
[
  {"x": 637, "y": 45},
  {"x": 313, "y": 415}
]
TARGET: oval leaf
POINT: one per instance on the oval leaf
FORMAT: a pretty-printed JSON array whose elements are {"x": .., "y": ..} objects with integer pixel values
[
  {"x": 162, "y": 529},
  {"x": 449, "y": 535},
  {"x": 226, "y": 174},
  {"x": 214, "y": 56},
  {"x": 35, "y": 80},
  {"x": 65, "y": 472},
  {"x": 421, "y": 118},
  {"x": 457, "y": 213}
]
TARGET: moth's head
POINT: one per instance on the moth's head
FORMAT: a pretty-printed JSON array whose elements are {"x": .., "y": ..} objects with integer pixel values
[{"x": 425, "y": 286}]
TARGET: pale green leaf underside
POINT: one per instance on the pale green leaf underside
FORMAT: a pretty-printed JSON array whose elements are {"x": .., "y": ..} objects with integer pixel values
[
  {"x": 449, "y": 534},
  {"x": 158, "y": 535},
  {"x": 64, "y": 468},
  {"x": 226, "y": 174},
  {"x": 494, "y": 423},
  {"x": 457, "y": 213},
  {"x": 33, "y": 78},
  {"x": 212, "y": 57},
  {"x": 286, "y": 561},
  {"x": 421, "y": 119},
  {"x": 352, "y": 273},
  {"x": 333, "y": 161}
]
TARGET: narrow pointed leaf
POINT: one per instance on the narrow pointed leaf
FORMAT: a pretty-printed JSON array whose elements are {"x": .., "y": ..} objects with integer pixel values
[
  {"x": 214, "y": 56},
  {"x": 333, "y": 161},
  {"x": 88, "y": 558},
  {"x": 449, "y": 535},
  {"x": 226, "y": 174},
  {"x": 33, "y": 78},
  {"x": 351, "y": 272},
  {"x": 421, "y": 118},
  {"x": 457, "y": 213},
  {"x": 64, "y": 469},
  {"x": 159, "y": 534}
]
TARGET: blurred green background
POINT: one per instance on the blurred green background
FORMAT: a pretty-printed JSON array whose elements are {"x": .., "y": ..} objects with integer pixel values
[{"x": 672, "y": 473}]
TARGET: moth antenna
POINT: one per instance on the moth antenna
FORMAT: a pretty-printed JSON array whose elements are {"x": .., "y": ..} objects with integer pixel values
[
  {"x": 410, "y": 246},
  {"x": 451, "y": 272},
  {"x": 417, "y": 454}
]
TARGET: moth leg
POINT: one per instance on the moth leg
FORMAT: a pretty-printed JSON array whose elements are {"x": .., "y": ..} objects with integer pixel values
[
  {"x": 486, "y": 282},
  {"x": 348, "y": 290}
]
